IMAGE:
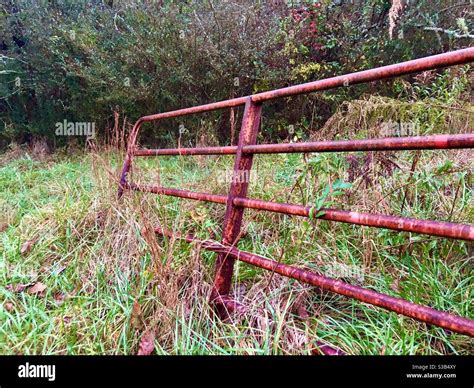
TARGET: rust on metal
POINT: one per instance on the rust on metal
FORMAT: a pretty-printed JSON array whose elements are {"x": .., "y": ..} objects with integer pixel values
[
  {"x": 178, "y": 193},
  {"x": 197, "y": 109},
  {"x": 238, "y": 188},
  {"x": 384, "y": 144},
  {"x": 236, "y": 200},
  {"x": 452, "y": 58},
  {"x": 441, "y": 142},
  {"x": 419, "y": 312},
  {"x": 226, "y": 150},
  {"x": 404, "y": 224},
  {"x": 434, "y": 228},
  {"x": 127, "y": 163}
]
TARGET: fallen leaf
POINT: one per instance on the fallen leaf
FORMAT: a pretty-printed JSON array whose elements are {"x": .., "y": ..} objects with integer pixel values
[
  {"x": 37, "y": 289},
  {"x": 3, "y": 227},
  {"x": 17, "y": 287},
  {"x": 27, "y": 246},
  {"x": 299, "y": 308},
  {"x": 8, "y": 306},
  {"x": 302, "y": 312},
  {"x": 67, "y": 319},
  {"x": 326, "y": 349},
  {"x": 147, "y": 343},
  {"x": 59, "y": 297}
]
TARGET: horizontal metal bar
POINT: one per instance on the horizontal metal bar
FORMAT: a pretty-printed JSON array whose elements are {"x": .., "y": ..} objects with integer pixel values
[
  {"x": 452, "y": 58},
  {"x": 413, "y": 225},
  {"x": 384, "y": 144},
  {"x": 447, "y": 59},
  {"x": 227, "y": 150},
  {"x": 196, "y": 109},
  {"x": 222, "y": 199},
  {"x": 422, "y": 64},
  {"x": 419, "y": 312},
  {"x": 433, "y": 228}
]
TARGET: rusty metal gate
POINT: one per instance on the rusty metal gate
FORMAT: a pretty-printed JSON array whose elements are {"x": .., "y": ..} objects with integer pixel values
[{"x": 236, "y": 200}]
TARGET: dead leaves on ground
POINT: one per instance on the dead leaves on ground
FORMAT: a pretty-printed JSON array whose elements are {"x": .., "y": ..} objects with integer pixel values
[
  {"x": 37, "y": 289},
  {"x": 17, "y": 288},
  {"x": 147, "y": 343},
  {"x": 59, "y": 297},
  {"x": 28, "y": 246}
]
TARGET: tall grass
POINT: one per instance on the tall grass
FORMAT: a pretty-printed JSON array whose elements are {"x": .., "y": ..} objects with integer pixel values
[{"x": 109, "y": 279}]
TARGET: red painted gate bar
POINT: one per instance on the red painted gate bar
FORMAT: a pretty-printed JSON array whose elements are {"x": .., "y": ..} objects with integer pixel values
[
  {"x": 236, "y": 200},
  {"x": 398, "y": 305},
  {"x": 402, "y": 224},
  {"x": 433, "y": 142}
]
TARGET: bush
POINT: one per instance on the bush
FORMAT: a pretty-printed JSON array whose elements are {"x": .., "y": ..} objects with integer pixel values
[{"x": 88, "y": 61}]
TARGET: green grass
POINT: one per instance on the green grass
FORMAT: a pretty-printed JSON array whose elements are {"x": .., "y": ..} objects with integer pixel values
[{"x": 96, "y": 261}]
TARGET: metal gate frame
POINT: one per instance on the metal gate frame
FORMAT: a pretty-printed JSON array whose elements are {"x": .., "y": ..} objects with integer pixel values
[{"x": 236, "y": 200}]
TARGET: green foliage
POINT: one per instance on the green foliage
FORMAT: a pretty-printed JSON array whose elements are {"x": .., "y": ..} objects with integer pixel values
[
  {"x": 325, "y": 199},
  {"x": 83, "y": 61}
]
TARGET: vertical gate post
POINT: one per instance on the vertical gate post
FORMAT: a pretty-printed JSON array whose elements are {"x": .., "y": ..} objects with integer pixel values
[{"x": 238, "y": 188}]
